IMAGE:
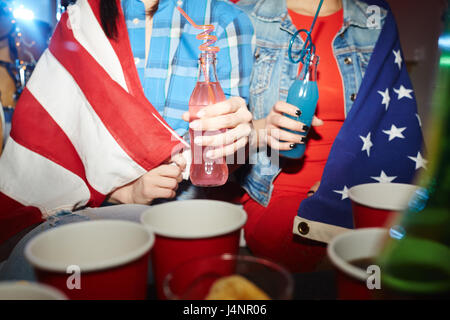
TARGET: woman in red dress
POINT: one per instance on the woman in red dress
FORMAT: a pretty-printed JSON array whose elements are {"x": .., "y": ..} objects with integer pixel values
[
  {"x": 269, "y": 229},
  {"x": 344, "y": 41}
]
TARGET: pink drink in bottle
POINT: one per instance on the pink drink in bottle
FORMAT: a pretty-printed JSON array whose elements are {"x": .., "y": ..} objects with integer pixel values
[{"x": 206, "y": 172}]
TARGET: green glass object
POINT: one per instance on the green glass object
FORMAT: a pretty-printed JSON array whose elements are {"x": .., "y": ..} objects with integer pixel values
[{"x": 415, "y": 261}]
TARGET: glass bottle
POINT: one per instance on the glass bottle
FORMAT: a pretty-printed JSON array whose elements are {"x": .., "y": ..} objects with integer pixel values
[
  {"x": 303, "y": 94},
  {"x": 206, "y": 172},
  {"x": 415, "y": 262}
]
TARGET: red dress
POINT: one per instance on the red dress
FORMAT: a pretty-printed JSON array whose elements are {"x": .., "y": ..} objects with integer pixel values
[{"x": 268, "y": 230}]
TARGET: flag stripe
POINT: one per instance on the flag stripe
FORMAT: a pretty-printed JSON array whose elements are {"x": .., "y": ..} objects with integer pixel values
[
  {"x": 53, "y": 87},
  {"x": 132, "y": 123},
  {"x": 89, "y": 34},
  {"x": 19, "y": 164},
  {"x": 124, "y": 52},
  {"x": 82, "y": 126},
  {"x": 16, "y": 217},
  {"x": 39, "y": 128}
]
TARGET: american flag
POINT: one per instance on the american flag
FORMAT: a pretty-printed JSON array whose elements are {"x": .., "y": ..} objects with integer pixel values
[
  {"x": 82, "y": 126},
  {"x": 380, "y": 141}
]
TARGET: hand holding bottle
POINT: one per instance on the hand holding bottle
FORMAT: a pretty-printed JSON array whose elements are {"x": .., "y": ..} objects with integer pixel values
[
  {"x": 277, "y": 122},
  {"x": 231, "y": 114}
]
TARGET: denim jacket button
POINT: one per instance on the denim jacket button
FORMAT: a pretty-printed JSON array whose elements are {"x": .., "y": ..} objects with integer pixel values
[
  {"x": 257, "y": 53},
  {"x": 303, "y": 228},
  {"x": 353, "y": 96},
  {"x": 348, "y": 60}
]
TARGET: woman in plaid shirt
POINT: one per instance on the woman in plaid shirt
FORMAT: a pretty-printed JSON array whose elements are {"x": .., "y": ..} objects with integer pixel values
[{"x": 165, "y": 51}]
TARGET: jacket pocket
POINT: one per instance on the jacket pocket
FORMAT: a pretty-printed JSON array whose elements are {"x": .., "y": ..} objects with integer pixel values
[
  {"x": 263, "y": 67},
  {"x": 364, "y": 55}
]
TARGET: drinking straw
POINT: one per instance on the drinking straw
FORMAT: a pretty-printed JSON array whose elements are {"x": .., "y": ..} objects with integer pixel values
[{"x": 308, "y": 47}]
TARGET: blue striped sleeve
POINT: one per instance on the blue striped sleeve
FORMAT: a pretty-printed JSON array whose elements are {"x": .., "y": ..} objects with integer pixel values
[{"x": 235, "y": 58}]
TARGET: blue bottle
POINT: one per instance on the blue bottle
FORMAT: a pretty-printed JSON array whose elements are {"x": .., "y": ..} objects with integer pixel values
[{"x": 303, "y": 94}]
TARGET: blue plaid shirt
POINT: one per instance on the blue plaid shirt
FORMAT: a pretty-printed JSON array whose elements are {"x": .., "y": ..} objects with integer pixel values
[{"x": 170, "y": 74}]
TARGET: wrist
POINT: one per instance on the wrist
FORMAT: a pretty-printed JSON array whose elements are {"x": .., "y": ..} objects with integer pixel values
[{"x": 122, "y": 195}]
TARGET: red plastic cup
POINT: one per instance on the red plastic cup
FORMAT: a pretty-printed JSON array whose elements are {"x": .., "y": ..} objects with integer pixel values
[
  {"x": 111, "y": 258},
  {"x": 351, "y": 246},
  {"x": 377, "y": 204},
  {"x": 23, "y": 290},
  {"x": 190, "y": 229}
]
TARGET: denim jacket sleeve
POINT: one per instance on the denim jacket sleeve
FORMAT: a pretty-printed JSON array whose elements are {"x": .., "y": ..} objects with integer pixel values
[{"x": 273, "y": 72}]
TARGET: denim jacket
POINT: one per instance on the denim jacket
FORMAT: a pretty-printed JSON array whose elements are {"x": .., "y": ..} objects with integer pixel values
[{"x": 273, "y": 72}]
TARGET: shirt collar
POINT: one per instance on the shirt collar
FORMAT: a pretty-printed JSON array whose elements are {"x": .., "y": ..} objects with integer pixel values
[
  {"x": 358, "y": 13},
  {"x": 136, "y": 9},
  {"x": 133, "y": 9}
]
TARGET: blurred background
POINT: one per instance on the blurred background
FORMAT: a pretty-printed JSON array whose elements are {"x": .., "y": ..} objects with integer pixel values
[{"x": 419, "y": 23}]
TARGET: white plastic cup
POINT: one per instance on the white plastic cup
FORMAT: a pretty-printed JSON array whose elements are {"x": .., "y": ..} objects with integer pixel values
[
  {"x": 348, "y": 247},
  {"x": 111, "y": 257},
  {"x": 377, "y": 204},
  {"x": 22, "y": 290}
]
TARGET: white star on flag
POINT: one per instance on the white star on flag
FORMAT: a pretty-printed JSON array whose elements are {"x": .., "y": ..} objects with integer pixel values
[
  {"x": 398, "y": 58},
  {"x": 403, "y": 92},
  {"x": 395, "y": 132},
  {"x": 383, "y": 178},
  {"x": 367, "y": 144},
  {"x": 343, "y": 192},
  {"x": 420, "y": 162},
  {"x": 386, "y": 97}
]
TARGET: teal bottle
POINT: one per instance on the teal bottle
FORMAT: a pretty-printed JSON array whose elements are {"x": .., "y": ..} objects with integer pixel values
[{"x": 303, "y": 94}]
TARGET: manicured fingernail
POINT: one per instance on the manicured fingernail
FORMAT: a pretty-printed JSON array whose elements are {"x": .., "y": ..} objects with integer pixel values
[
  {"x": 198, "y": 140},
  {"x": 302, "y": 140},
  {"x": 194, "y": 124},
  {"x": 298, "y": 113},
  {"x": 201, "y": 113},
  {"x": 305, "y": 128},
  {"x": 292, "y": 145}
]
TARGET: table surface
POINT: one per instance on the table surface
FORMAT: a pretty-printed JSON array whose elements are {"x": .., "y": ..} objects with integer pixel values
[{"x": 318, "y": 285}]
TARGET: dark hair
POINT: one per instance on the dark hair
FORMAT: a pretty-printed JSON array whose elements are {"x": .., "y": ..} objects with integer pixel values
[
  {"x": 66, "y": 3},
  {"x": 108, "y": 17},
  {"x": 109, "y": 12}
]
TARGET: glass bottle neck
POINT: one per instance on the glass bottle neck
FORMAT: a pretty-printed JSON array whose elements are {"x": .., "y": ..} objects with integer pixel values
[
  {"x": 309, "y": 68},
  {"x": 207, "y": 67}
]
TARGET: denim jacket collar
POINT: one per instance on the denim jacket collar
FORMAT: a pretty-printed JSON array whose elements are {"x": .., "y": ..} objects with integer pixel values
[
  {"x": 355, "y": 12},
  {"x": 270, "y": 11}
]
